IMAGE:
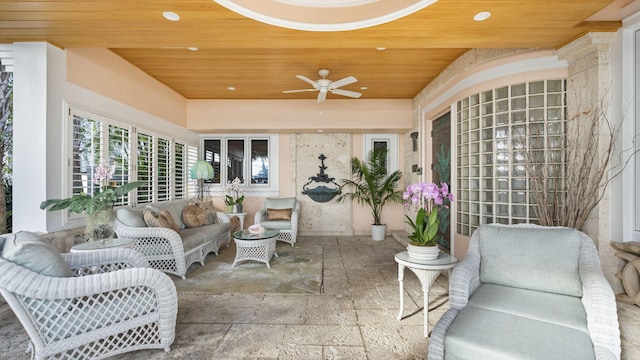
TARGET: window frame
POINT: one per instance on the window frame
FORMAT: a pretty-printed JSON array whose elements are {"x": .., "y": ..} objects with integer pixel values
[
  {"x": 392, "y": 146},
  {"x": 248, "y": 188}
]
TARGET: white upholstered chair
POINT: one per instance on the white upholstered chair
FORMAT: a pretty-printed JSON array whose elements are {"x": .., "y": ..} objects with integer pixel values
[
  {"x": 281, "y": 214},
  {"x": 88, "y": 305}
]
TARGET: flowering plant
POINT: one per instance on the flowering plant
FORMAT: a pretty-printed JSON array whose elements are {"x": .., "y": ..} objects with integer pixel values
[
  {"x": 428, "y": 199},
  {"x": 103, "y": 198},
  {"x": 236, "y": 197}
]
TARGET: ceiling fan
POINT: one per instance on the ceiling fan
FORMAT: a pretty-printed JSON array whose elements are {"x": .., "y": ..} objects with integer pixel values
[{"x": 325, "y": 85}]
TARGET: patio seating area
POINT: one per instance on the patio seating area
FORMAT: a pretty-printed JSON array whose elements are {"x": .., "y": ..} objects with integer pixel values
[{"x": 353, "y": 317}]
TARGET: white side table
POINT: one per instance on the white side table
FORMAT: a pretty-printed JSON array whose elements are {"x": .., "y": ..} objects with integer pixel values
[
  {"x": 427, "y": 271},
  {"x": 240, "y": 217},
  {"x": 107, "y": 244}
]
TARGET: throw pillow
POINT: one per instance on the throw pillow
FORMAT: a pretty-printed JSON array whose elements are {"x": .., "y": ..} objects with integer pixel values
[
  {"x": 193, "y": 216},
  {"x": 131, "y": 217},
  {"x": 279, "y": 214},
  {"x": 36, "y": 254},
  {"x": 153, "y": 219},
  {"x": 168, "y": 218},
  {"x": 211, "y": 217}
]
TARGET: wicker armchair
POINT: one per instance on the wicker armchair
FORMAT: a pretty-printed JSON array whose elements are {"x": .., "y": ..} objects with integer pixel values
[
  {"x": 114, "y": 304},
  {"x": 288, "y": 227},
  {"x": 468, "y": 297}
]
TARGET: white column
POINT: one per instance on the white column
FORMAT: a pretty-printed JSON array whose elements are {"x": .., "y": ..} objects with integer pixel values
[{"x": 39, "y": 77}]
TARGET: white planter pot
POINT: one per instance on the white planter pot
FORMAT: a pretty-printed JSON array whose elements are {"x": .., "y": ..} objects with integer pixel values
[
  {"x": 423, "y": 252},
  {"x": 378, "y": 232}
]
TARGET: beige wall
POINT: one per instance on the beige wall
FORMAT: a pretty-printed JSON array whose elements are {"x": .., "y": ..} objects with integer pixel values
[
  {"x": 107, "y": 74},
  {"x": 332, "y": 116}
]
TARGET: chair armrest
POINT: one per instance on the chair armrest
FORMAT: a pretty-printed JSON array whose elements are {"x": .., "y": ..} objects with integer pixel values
[
  {"x": 93, "y": 262},
  {"x": 465, "y": 279},
  {"x": 599, "y": 303},
  {"x": 224, "y": 218},
  {"x": 259, "y": 216},
  {"x": 158, "y": 234}
]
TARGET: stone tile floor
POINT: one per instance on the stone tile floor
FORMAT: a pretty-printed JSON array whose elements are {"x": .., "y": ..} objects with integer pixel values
[{"x": 353, "y": 318}]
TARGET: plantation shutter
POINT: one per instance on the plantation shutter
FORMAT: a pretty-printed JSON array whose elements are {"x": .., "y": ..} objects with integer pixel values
[
  {"x": 145, "y": 168},
  {"x": 85, "y": 153},
  {"x": 164, "y": 175},
  {"x": 180, "y": 173},
  {"x": 119, "y": 157}
]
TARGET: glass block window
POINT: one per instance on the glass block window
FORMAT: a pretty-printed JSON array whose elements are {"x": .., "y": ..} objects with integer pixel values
[{"x": 496, "y": 130}]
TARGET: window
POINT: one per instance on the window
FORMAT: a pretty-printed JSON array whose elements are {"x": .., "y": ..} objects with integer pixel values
[
  {"x": 252, "y": 159},
  {"x": 136, "y": 154},
  {"x": 495, "y": 130},
  {"x": 385, "y": 141}
]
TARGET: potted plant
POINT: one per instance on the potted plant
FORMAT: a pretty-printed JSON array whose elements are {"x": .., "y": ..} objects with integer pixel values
[
  {"x": 428, "y": 199},
  {"x": 99, "y": 207},
  {"x": 372, "y": 186},
  {"x": 235, "y": 200}
]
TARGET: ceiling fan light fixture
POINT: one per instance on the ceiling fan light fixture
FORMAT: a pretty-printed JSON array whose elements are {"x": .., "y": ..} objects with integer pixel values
[
  {"x": 482, "y": 16},
  {"x": 171, "y": 16},
  {"x": 231, "y": 88}
]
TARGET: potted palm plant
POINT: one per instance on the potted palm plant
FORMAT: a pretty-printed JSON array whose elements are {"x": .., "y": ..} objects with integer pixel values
[{"x": 372, "y": 186}]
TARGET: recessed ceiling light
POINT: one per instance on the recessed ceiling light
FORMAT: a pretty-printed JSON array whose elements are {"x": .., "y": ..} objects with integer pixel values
[
  {"x": 381, "y": 48},
  {"x": 363, "y": 88},
  {"x": 192, "y": 48},
  {"x": 231, "y": 88},
  {"x": 171, "y": 16},
  {"x": 320, "y": 129},
  {"x": 482, "y": 16}
]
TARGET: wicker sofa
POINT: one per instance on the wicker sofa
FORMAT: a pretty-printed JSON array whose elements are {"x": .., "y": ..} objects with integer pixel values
[
  {"x": 528, "y": 292},
  {"x": 166, "y": 249}
]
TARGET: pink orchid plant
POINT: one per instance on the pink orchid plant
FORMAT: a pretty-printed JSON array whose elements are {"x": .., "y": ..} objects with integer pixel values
[{"x": 427, "y": 199}]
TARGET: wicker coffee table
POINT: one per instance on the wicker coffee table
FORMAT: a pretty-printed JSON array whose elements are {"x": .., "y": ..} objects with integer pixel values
[{"x": 259, "y": 247}]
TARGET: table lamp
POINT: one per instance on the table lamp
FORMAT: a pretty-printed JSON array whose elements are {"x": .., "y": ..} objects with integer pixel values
[{"x": 201, "y": 171}]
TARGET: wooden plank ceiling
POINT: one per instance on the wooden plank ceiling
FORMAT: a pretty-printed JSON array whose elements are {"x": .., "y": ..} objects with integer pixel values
[{"x": 261, "y": 60}]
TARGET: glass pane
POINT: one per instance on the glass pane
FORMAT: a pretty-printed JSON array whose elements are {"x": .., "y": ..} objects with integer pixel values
[
  {"x": 536, "y": 87},
  {"x": 536, "y": 101},
  {"x": 518, "y": 90},
  {"x": 86, "y": 153},
  {"x": 518, "y": 103},
  {"x": 260, "y": 161},
  {"x": 554, "y": 85},
  {"x": 536, "y": 115},
  {"x": 212, "y": 154},
  {"x": 235, "y": 160}
]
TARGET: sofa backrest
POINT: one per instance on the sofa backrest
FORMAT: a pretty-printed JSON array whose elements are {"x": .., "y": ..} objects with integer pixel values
[
  {"x": 535, "y": 258},
  {"x": 134, "y": 217}
]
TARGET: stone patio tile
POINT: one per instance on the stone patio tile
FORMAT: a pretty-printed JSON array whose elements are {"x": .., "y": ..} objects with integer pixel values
[
  {"x": 295, "y": 352},
  {"x": 344, "y": 352},
  {"x": 370, "y": 277},
  {"x": 337, "y": 289},
  {"x": 330, "y": 310},
  {"x": 630, "y": 352},
  {"x": 387, "y": 342},
  {"x": 251, "y": 341},
  {"x": 348, "y": 241},
  {"x": 210, "y": 335},
  {"x": 335, "y": 277},
  {"x": 218, "y": 315},
  {"x": 379, "y": 297},
  {"x": 335, "y": 335},
  {"x": 279, "y": 309},
  {"x": 412, "y": 315}
]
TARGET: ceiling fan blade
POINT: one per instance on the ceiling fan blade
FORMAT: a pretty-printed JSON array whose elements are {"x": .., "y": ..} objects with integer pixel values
[
  {"x": 307, "y": 80},
  {"x": 342, "y": 82},
  {"x": 295, "y": 91},
  {"x": 348, "y": 93},
  {"x": 322, "y": 96}
]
